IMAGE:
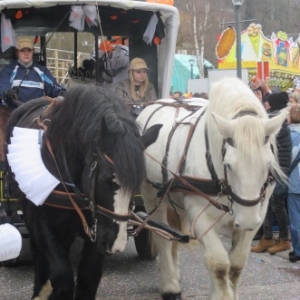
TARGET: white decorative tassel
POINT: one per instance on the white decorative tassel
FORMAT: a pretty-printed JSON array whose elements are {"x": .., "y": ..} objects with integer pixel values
[{"x": 25, "y": 160}]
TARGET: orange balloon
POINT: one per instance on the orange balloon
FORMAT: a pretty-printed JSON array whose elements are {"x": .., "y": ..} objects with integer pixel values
[
  {"x": 168, "y": 2},
  {"x": 156, "y": 40},
  {"x": 19, "y": 14}
]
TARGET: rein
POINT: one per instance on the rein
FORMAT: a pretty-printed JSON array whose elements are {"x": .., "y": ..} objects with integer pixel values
[
  {"x": 77, "y": 201},
  {"x": 188, "y": 184}
]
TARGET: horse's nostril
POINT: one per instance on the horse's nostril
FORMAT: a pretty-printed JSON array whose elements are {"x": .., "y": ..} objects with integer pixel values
[{"x": 236, "y": 225}]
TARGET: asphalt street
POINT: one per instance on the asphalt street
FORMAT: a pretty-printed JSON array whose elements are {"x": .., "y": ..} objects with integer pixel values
[{"x": 126, "y": 277}]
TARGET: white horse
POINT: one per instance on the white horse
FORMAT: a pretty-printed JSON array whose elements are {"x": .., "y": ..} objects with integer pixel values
[{"x": 240, "y": 139}]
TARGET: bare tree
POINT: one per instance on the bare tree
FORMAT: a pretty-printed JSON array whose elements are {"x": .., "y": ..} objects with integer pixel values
[{"x": 198, "y": 30}]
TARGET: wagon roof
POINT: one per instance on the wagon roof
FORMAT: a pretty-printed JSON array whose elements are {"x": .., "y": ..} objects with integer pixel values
[{"x": 124, "y": 4}]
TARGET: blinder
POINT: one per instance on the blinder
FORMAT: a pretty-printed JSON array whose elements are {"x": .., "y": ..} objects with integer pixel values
[{"x": 226, "y": 188}]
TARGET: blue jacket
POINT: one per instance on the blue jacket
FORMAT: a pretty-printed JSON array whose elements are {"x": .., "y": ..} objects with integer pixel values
[
  {"x": 294, "y": 178},
  {"x": 32, "y": 82}
]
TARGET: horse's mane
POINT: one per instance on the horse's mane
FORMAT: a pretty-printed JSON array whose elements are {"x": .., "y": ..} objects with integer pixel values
[
  {"x": 91, "y": 120},
  {"x": 230, "y": 98}
]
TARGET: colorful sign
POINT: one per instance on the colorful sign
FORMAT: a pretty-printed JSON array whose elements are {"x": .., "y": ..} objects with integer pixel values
[{"x": 280, "y": 51}]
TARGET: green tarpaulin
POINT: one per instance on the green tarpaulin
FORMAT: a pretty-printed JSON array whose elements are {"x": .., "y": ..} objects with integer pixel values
[{"x": 182, "y": 71}]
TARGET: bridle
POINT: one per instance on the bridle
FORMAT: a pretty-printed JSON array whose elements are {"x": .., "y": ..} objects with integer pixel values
[
  {"x": 77, "y": 200},
  {"x": 233, "y": 197},
  {"x": 225, "y": 186}
]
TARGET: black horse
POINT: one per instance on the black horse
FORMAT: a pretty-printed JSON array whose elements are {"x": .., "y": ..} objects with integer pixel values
[{"x": 93, "y": 147}]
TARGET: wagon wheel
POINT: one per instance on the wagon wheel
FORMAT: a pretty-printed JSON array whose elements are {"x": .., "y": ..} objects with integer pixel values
[{"x": 143, "y": 242}]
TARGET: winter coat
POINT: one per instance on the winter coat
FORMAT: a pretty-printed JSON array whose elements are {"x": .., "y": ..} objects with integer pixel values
[
  {"x": 30, "y": 82},
  {"x": 284, "y": 145},
  {"x": 294, "y": 178},
  {"x": 123, "y": 91}
]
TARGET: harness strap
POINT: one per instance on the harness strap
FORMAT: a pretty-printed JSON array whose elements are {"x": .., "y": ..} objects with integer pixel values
[
  {"x": 192, "y": 188},
  {"x": 209, "y": 162},
  {"x": 86, "y": 227},
  {"x": 108, "y": 213}
]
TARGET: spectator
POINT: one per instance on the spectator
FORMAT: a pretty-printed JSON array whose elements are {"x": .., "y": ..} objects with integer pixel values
[
  {"x": 113, "y": 61},
  {"x": 277, "y": 204},
  {"x": 204, "y": 95},
  {"x": 177, "y": 94},
  {"x": 136, "y": 91},
  {"x": 261, "y": 88},
  {"x": 25, "y": 79},
  {"x": 294, "y": 187},
  {"x": 294, "y": 98}
]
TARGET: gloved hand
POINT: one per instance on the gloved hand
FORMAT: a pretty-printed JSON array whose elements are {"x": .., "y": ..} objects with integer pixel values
[{"x": 11, "y": 96}]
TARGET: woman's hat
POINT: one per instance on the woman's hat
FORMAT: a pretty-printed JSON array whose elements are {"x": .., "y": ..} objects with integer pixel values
[
  {"x": 24, "y": 42},
  {"x": 278, "y": 101},
  {"x": 137, "y": 64}
]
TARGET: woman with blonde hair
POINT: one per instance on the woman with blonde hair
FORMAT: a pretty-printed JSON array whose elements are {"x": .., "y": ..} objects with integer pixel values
[
  {"x": 294, "y": 98},
  {"x": 136, "y": 91}
]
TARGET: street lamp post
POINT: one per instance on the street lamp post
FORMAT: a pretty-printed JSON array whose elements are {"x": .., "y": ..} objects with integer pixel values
[
  {"x": 237, "y": 5},
  {"x": 192, "y": 61}
]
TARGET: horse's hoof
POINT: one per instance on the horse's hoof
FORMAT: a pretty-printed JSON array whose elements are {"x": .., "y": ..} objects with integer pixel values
[{"x": 172, "y": 296}]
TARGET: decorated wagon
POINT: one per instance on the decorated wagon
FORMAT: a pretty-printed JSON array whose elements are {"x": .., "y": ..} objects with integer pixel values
[{"x": 150, "y": 26}]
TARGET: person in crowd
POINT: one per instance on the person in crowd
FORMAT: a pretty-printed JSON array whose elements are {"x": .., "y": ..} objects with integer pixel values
[
  {"x": 196, "y": 95},
  {"x": 113, "y": 61},
  {"x": 277, "y": 205},
  {"x": 136, "y": 90},
  {"x": 261, "y": 88},
  {"x": 24, "y": 79},
  {"x": 293, "y": 200},
  {"x": 204, "y": 95},
  {"x": 177, "y": 94},
  {"x": 294, "y": 98}
]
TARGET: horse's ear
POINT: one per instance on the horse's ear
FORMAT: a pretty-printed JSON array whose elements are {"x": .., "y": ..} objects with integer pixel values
[
  {"x": 273, "y": 125},
  {"x": 226, "y": 128},
  {"x": 151, "y": 134},
  {"x": 107, "y": 138}
]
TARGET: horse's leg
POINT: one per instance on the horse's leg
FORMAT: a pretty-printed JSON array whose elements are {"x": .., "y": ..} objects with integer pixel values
[
  {"x": 89, "y": 271},
  {"x": 238, "y": 255},
  {"x": 215, "y": 255},
  {"x": 41, "y": 268},
  {"x": 52, "y": 253},
  {"x": 168, "y": 258}
]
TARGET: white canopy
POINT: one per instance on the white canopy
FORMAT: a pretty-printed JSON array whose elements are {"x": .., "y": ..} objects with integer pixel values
[{"x": 170, "y": 17}]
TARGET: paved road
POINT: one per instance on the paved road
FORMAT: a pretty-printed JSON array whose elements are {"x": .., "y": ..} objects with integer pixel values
[{"x": 126, "y": 277}]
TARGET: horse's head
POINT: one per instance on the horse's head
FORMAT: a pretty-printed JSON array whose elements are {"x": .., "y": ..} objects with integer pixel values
[{"x": 249, "y": 161}]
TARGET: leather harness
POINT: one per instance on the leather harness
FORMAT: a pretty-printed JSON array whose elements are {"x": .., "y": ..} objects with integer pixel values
[{"x": 199, "y": 186}]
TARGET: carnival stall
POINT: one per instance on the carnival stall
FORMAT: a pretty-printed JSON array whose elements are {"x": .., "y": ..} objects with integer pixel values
[{"x": 280, "y": 51}]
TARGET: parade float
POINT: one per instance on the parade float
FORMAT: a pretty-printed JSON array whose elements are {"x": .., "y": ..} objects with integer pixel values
[{"x": 280, "y": 52}]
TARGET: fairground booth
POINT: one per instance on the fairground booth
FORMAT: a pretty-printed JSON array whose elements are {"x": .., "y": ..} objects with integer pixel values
[{"x": 276, "y": 57}]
